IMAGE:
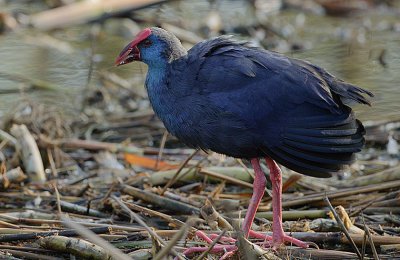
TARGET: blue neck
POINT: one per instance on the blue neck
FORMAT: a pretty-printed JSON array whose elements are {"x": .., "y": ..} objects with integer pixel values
[
  {"x": 157, "y": 89},
  {"x": 155, "y": 76}
]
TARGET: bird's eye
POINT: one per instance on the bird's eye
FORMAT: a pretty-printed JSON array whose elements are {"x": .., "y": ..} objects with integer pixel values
[{"x": 147, "y": 43}]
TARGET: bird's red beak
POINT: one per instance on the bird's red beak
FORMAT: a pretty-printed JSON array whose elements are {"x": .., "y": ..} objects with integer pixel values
[{"x": 131, "y": 51}]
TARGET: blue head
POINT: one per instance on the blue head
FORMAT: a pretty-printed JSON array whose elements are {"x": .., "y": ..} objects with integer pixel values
[{"x": 154, "y": 46}]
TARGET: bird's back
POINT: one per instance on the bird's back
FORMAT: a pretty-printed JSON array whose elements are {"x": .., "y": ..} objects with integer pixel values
[{"x": 247, "y": 102}]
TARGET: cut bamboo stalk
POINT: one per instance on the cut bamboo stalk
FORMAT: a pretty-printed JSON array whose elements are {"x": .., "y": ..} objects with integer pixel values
[
  {"x": 388, "y": 175},
  {"x": 162, "y": 202},
  {"x": 340, "y": 193},
  {"x": 316, "y": 237},
  {"x": 30, "y": 153},
  {"x": 77, "y": 247},
  {"x": 226, "y": 178},
  {"x": 15, "y": 175},
  {"x": 84, "y": 11},
  {"x": 187, "y": 174},
  {"x": 90, "y": 145},
  {"x": 287, "y": 215}
]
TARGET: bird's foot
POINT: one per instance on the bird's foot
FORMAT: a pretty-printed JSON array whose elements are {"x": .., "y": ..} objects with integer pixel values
[
  {"x": 280, "y": 239},
  {"x": 228, "y": 249},
  {"x": 226, "y": 245}
]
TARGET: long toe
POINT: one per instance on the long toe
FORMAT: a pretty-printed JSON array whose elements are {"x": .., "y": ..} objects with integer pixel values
[
  {"x": 277, "y": 241},
  {"x": 227, "y": 250},
  {"x": 285, "y": 239}
]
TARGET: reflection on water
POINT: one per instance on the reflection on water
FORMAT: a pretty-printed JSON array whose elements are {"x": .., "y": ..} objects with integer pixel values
[{"x": 349, "y": 59}]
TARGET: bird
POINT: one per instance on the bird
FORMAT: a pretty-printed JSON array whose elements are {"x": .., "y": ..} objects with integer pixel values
[{"x": 230, "y": 97}]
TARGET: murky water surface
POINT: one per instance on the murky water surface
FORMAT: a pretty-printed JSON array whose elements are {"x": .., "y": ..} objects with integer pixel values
[{"x": 347, "y": 47}]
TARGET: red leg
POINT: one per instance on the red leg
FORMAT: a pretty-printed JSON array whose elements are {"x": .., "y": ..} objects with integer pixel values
[
  {"x": 258, "y": 192},
  {"x": 278, "y": 236}
]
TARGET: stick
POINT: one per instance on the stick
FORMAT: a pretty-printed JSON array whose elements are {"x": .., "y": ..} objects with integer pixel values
[
  {"x": 388, "y": 175},
  {"x": 190, "y": 174},
  {"x": 371, "y": 242},
  {"x": 339, "y": 221},
  {"x": 27, "y": 255},
  {"x": 58, "y": 200},
  {"x": 162, "y": 146},
  {"x": 226, "y": 178},
  {"x": 162, "y": 202},
  {"x": 178, "y": 235},
  {"x": 36, "y": 235},
  {"x": 84, "y": 232},
  {"x": 74, "y": 208},
  {"x": 150, "y": 212},
  {"x": 15, "y": 175},
  {"x": 30, "y": 153},
  {"x": 90, "y": 145},
  {"x": 84, "y": 11},
  {"x": 135, "y": 216},
  {"x": 287, "y": 215},
  {"x": 174, "y": 178},
  {"x": 340, "y": 193}
]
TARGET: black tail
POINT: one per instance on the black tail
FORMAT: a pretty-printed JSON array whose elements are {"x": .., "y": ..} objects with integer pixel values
[{"x": 320, "y": 148}]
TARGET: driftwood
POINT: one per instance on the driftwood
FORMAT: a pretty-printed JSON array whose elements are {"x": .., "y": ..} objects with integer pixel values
[
  {"x": 31, "y": 84},
  {"x": 30, "y": 153},
  {"x": 84, "y": 11},
  {"x": 90, "y": 145},
  {"x": 165, "y": 203},
  {"x": 15, "y": 175},
  {"x": 172, "y": 221},
  {"x": 75, "y": 246},
  {"x": 388, "y": 175},
  {"x": 213, "y": 218},
  {"x": 74, "y": 208},
  {"x": 35, "y": 235},
  {"x": 97, "y": 241},
  {"x": 234, "y": 174},
  {"x": 287, "y": 215},
  {"x": 28, "y": 255},
  {"x": 340, "y": 193}
]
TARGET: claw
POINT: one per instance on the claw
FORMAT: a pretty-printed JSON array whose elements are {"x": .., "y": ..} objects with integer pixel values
[{"x": 312, "y": 244}]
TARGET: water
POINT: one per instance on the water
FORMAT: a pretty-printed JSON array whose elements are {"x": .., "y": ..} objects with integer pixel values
[{"x": 347, "y": 47}]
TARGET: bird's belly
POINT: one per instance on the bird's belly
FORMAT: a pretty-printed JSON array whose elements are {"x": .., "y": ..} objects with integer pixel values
[
  {"x": 198, "y": 123},
  {"x": 222, "y": 133}
]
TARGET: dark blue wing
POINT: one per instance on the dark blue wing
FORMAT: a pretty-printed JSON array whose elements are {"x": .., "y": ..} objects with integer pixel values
[{"x": 287, "y": 109}]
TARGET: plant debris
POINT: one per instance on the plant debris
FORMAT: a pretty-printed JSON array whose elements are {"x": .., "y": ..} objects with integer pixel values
[{"x": 110, "y": 183}]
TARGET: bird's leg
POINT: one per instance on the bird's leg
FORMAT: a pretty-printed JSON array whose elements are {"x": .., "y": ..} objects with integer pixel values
[
  {"x": 278, "y": 236},
  {"x": 258, "y": 192},
  {"x": 259, "y": 187}
]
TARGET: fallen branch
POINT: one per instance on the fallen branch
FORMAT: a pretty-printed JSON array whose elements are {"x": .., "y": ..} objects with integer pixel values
[
  {"x": 90, "y": 145},
  {"x": 340, "y": 193},
  {"x": 84, "y": 11},
  {"x": 75, "y": 246},
  {"x": 74, "y": 208},
  {"x": 30, "y": 153},
  {"x": 286, "y": 215},
  {"x": 160, "y": 201},
  {"x": 113, "y": 252},
  {"x": 28, "y": 255},
  {"x": 15, "y": 175},
  {"x": 388, "y": 175},
  {"x": 36, "y": 235},
  {"x": 187, "y": 174}
]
